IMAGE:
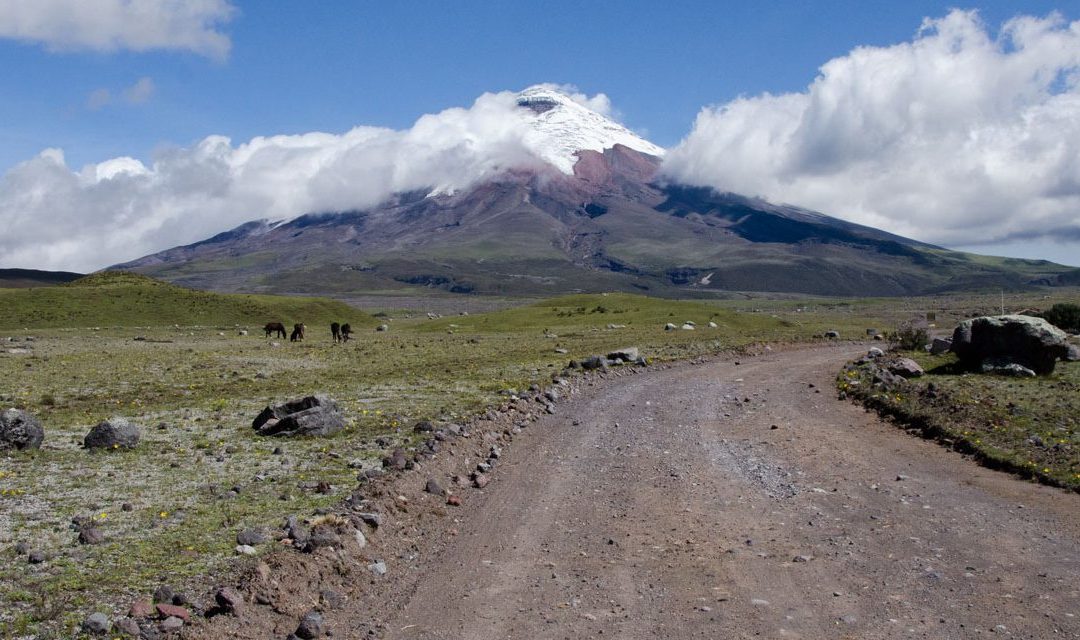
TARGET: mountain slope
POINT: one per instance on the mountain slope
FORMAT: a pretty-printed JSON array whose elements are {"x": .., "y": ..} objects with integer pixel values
[{"x": 596, "y": 217}]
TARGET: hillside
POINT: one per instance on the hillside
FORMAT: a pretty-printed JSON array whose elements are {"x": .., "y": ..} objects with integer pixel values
[
  {"x": 117, "y": 299},
  {"x": 22, "y": 278}
]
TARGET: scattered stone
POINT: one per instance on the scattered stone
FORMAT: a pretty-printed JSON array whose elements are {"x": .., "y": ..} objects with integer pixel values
[
  {"x": 1073, "y": 354},
  {"x": 310, "y": 416},
  {"x": 20, "y": 430},
  {"x": 688, "y": 326},
  {"x": 229, "y": 600},
  {"x": 322, "y": 537},
  {"x": 875, "y": 352},
  {"x": 1025, "y": 340},
  {"x": 453, "y": 500},
  {"x": 90, "y": 534},
  {"x": 141, "y": 609},
  {"x": 164, "y": 593},
  {"x": 940, "y": 346},
  {"x": 396, "y": 460},
  {"x": 758, "y": 602},
  {"x": 245, "y": 550},
  {"x": 311, "y": 626},
  {"x": 373, "y": 520},
  {"x": 669, "y": 327},
  {"x": 361, "y": 539},
  {"x": 172, "y": 611},
  {"x": 832, "y": 334},
  {"x": 116, "y": 433},
  {"x": 252, "y": 537},
  {"x": 96, "y": 624},
  {"x": 433, "y": 487},
  {"x": 378, "y": 568},
  {"x": 172, "y": 623},
  {"x": 480, "y": 480},
  {"x": 802, "y": 559},
  {"x": 905, "y": 368},
  {"x": 594, "y": 362},
  {"x": 561, "y": 351},
  {"x": 127, "y": 627},
  {"x": 712, "y": 325},
  {"x": 626, "y": 354},
  {"x": 332, "y": 599},
  {"x": 382, "y": 327},
  {"x": 36, "y": 557}
]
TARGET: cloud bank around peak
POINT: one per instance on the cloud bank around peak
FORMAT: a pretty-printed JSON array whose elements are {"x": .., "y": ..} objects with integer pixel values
[
  {"x": 112, "y": 25},
  {"x": 56, "y": 217},
  {"x": 959, "y": 136}
]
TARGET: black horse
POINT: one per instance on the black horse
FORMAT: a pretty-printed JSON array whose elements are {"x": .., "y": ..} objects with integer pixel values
[
  {"x": 297, "y": 333},
  {"x": 335, "y": 330},
  {"x": 274, "y": 327},
  {"x": 346, "y": 331}
]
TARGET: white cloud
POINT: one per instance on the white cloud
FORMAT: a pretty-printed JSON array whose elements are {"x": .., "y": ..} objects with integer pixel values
[
  {"x": 136, "y": 94},
  {"x": 139, "y": 92},
  {"x": 957, "y": 137},
  {"x": 58, "y": 218},
  {"x": 111, "y": 25}
]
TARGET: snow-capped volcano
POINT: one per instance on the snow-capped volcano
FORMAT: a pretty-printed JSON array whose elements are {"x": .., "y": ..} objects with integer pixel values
[{"x": 560, "y": 126}]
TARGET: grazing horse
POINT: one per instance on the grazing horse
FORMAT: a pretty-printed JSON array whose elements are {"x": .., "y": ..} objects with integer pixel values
[
  {"x": 272, "y": 327},
  {"x": 335, "y": 330},
  {"x": 297, "y": 333},
  {"x": 346, "y": 330}
]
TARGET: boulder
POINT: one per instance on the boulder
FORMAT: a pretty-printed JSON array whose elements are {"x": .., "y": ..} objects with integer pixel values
[
  {"x": 594, "y": 362},
  {"x": 940, "y": 346},
  {"x": 96, "y": 624},
  {"x": 310, "y": 416},
  {"x": 1024, "y": 340},
  {"x": 905, "y": 368},
  {"x": 688, "y": 326},
  {"x": 311, "y": 626},
  {"x": 20, "y": 430},
  {"x": 669, "y": 327},
  {"x": 875, "y": 352},
  {"x": 116, "y": 433},
  {"x": 832, "y": 334}
]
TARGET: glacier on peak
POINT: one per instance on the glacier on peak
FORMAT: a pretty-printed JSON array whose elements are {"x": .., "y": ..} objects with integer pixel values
[{"x": 560, "y": 126}]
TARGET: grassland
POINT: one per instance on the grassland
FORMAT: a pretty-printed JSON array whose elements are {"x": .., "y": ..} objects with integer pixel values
[{"x": 171, "y": 508}]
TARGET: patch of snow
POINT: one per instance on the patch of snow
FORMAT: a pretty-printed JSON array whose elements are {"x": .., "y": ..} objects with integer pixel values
[{"x": 561, "y": 126}]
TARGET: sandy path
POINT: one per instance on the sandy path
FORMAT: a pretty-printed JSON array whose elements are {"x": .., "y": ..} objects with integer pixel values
[{"x": 667, "y": 506}]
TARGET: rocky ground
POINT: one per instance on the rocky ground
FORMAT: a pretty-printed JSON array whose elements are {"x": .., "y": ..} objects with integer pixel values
[{"x": 723, "y": 498}]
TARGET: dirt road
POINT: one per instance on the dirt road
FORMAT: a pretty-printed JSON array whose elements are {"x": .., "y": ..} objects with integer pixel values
[
  {"x": 727, "y": 500},
  {"x": 735, "y": 501}
]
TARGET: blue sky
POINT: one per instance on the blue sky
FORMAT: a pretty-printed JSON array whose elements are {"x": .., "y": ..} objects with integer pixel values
[{"x": 299, "y": 67}]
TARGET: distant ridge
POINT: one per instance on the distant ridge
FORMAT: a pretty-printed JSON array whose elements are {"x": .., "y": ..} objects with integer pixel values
[{"x": 25, "y": 278}]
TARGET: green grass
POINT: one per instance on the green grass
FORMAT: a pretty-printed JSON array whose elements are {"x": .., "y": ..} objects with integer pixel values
[
  {"x": 195, "y": 389},
  {"x": 1029, "y": 426},
  {"x": 115, "y": 299}
]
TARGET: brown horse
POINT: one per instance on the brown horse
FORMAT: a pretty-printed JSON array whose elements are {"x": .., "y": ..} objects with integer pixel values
[
  {"x": 335, "y": 330},
  {"x": 272, "y": 327},
  {"x": 297, "y": 333}
]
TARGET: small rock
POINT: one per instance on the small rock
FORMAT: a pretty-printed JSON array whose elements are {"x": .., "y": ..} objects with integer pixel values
[
  {"x": 127, "y": 627},
  {"x": 97, "y": 624},
  {"x": 453, "y": 500},
  {"x": 245, "y": 550},
  {"x": 20, "y": 430},
  {"x": 36, "y": 557},
  {"x": 172, "y": 611},
  {"x": 172, "y": 623},
  {"x": 480, "y": 480},
  {"x": 802, "y": 559},
  {"x": 116, "y": 433},
  {"x": 875, "y": 352},
  {"x": 373, "y": 520},
  {"x": 229, "y": 600},
  {"x": 378, "y": 568},
  {"x": 332, "y": 599},
  {"x": 141, "y": 609},
  {"x": 91, "y": 535},
  {"x": 433, "y": 487},
  {"x": 252, "y": 537},
  {"x": 164, "y": 593}
]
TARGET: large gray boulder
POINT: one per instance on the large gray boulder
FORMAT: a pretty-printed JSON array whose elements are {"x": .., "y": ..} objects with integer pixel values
[
  {"x": 20, "y": 430},
  {"x": 1025, "y": 340},
  {"x": 115, "y": 433},
  {"x": 310, "y": 416}
]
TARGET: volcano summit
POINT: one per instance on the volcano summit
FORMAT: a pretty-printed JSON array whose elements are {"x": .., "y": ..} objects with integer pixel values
[{"x": 582, "y": 204}]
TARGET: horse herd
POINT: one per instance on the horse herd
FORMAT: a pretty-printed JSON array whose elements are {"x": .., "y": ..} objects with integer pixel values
[{"x": 340, "y": 332}]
